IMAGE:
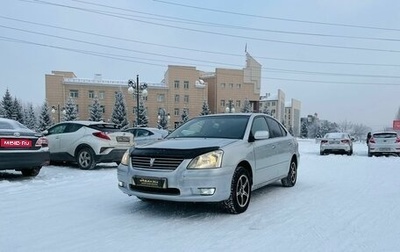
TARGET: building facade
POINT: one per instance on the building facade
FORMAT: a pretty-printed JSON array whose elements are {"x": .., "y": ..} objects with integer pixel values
[{"x": 292, "y": 117}]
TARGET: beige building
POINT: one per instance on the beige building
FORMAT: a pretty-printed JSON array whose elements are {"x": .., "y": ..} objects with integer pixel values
[
  {"x": 183, "y": 88},
  {"x": 275, "y": 105},
  {"x": 292, "y": 117}
]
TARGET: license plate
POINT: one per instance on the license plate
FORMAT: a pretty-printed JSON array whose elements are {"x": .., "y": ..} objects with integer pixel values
[
  {"x": 122, "y": 139},
  {"x": 15, "y": 143},
  {"x": 150, "y": 182},
  {"x": 384, "y": 149}
]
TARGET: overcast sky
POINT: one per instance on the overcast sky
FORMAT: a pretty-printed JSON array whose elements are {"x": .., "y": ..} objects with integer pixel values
[{"x": 340, "y": 58}]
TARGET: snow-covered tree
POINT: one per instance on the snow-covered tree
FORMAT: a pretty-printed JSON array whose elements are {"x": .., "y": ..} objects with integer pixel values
[
  {"x": 7, "y": 105},
  {"x": 119, "y": 111},
  {"x": 17, "y": 111},
  {"x": 71, "y": 113},
  {"x": 30, "y": 117},
  {"x": 246, "y": 106},
  {"x": 143, "y": 119},
  {"x": 205, "y": 109},
  {"x": 44, "y": 117},
  {"x": 184, "y": 116},
  {"x": 96, "y": 111},
  {"x": 265, "y": 109},
  {"x": 162, "y": 122}
]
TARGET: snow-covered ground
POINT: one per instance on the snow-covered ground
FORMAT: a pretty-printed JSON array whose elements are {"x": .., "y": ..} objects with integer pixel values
[{"x": 340, "y": 203}]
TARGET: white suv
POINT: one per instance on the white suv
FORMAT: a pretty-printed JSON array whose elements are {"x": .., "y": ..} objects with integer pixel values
[{"x": 87, "y": 143}]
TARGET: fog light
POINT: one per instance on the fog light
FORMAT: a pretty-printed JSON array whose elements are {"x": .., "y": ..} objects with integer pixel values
[
  {"x": 121, "y": 184},
  {"x": 207, "y": 191}
]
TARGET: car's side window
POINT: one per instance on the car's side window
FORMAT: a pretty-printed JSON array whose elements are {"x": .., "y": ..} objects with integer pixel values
[
  {"x": 259, "y": 123},
  {"x": 275, "y": 128},
  {"x": 58, "y": 129},
  {"x": 72, "y": 127}
]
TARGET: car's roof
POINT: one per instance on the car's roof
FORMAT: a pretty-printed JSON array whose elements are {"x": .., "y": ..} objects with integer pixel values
[
  {"x": 87, "y": 123},
  {"x": 385, "y": 132}
]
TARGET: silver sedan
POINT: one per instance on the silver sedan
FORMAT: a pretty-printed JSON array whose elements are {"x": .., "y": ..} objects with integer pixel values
[{"x": 215, "y": 158}]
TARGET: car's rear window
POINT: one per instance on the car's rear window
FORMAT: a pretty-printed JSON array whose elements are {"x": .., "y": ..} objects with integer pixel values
[
  {"x": 106, "y": 127},
  {"x": 385, "y": 135},
  {"x": 335, "y": 135}
]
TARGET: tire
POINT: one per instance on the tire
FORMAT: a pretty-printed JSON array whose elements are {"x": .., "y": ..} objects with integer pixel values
[
  {"x": 85, "y": 159},
  {"x": 291, "y": 178},
  {"x": 321, "y": 153},
  {"x": 369, "y": 154},
  {"x": 31, "y": 172},
  {"x": 239, "y": 199}
]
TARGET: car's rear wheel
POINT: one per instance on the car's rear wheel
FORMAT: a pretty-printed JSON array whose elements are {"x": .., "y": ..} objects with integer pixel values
[
  {"x": 31, "y": 172},
  {"x": 85, "y": 159},
  {"x": 239, "y": 198},
  {"x": 291, "y": 178}
]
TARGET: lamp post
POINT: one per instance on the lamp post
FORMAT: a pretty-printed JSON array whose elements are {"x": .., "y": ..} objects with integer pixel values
[
  {"x": 230, "y": 108},
  {"x": 139, "y": 90},
  {"x": 163, "y": 118},
  {"x": 54, "y": 109}
]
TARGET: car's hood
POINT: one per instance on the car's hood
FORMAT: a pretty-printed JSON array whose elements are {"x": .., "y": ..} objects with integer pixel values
[{"x": 189, "y": 143}]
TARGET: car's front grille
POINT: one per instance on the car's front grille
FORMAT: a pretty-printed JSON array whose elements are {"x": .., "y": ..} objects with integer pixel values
[{"x": 159, "y": 163}]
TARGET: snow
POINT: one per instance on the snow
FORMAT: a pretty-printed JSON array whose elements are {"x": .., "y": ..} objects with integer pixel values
[{"x": 340, "y": 203}]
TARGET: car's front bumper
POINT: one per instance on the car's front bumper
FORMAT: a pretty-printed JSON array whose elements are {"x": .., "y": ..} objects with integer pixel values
[
  {"x": 23, "y": 159},
  {"x": 206, "y": 185},
  {"x": 115, "y": 155}
]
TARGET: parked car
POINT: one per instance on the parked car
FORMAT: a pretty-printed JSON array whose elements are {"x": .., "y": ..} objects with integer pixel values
[
  {"x": 87, "y": 143},
  {"x": 22, "y": 149},
  {"x": 144, "y": 135},
  {"x": 384, "y": 143},
  {"x": 214, "y": 158},
  {"x": 336, "y": 142}
]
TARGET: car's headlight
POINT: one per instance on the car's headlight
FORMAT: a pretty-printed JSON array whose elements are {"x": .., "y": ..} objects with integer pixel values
[
  {"x": 208, "y": 160},
  {"x": 125, "y": 158}
]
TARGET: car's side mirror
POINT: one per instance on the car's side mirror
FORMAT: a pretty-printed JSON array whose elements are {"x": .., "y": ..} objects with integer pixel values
[
  {"x": 45, "y": 132},
  {"x": 261, "y": 134}
]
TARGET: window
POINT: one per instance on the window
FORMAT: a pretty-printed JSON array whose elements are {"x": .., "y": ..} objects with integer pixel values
[
  {"x": 276, "y": 129},
  {"x": 160, "y": 97},
  {"x": 238, "y": 104},
  {"x": 77, "y": 108},
  {"x": 176, "y": 98},
  {"x": 186, "y": 99},
  {"x": 91, "y": 94},
  {"x": 231, "y": 85},
  {"x": 259, "y": 123},
  {"x": 222, "y": 85},
  {"x": 176, "y": 84},
  {"x": 176, "y": 111},
  {"x": 101, "y": 95},
  {"x": 73, "y": 93},
  {"x": 273, "y": 103},
  {"x": 238, "y": 85},
  {"x": 222, "y": 103},
  {"x": 186, "y": 84},
  {"x": 103, "y": 108}
]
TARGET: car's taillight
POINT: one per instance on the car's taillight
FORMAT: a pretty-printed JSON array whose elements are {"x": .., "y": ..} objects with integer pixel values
[
  {"x": 324, "y": 141},
  {"x": 102, "y": 135},
  {"x": 398, "y": 140},
  {"x": 345, "y": 141},
  {"x": 41, "y": 142},
  {"x": 372, "y": 140}
]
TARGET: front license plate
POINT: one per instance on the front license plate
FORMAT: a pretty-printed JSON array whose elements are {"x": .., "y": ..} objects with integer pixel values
[{"x": 150, "y": 182}]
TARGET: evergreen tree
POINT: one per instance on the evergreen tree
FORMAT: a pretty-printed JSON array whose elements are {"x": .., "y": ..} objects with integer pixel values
[
  {"x": 30, "y": 118},
  {"x": 246, "y": 106},
  {"x": 162, "y": 119},
  {"x": 265, "y": 109},
  {"x": 96, "y": 111},
  {"x": 205, "y": 109},
  {"x": 2, "y": 112},
  {"x": 71, "y": 113},
  {"x": 44, "y": 117},
  {"x": 304, "y": 130},
  {"x": 119, "y": 112},
  {"x": 7, "y": 105},
  {"x": 17, "y": 111},
  {"x": 143, "y": 119},
  {"x": 184, "y": 116}
]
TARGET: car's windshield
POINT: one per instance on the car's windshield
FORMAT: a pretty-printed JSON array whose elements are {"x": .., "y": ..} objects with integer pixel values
[{"x": 232, "y": 127}]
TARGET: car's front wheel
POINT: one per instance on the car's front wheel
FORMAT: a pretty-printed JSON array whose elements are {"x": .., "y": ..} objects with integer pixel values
[
  {"x": 239, "y": 198},
  {"x": 31, "y": 172},
  {"x": 291, "y": 178},
  {"x": 85, "y": 159}
]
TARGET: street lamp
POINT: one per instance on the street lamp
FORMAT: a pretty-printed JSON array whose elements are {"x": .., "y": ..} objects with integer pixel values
[
  {"x": 163, "y": 118},
  {"x": 54, "y": 109},
  {"x": 139, "y": 90},
  {"x": 230, "y": 108}
]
